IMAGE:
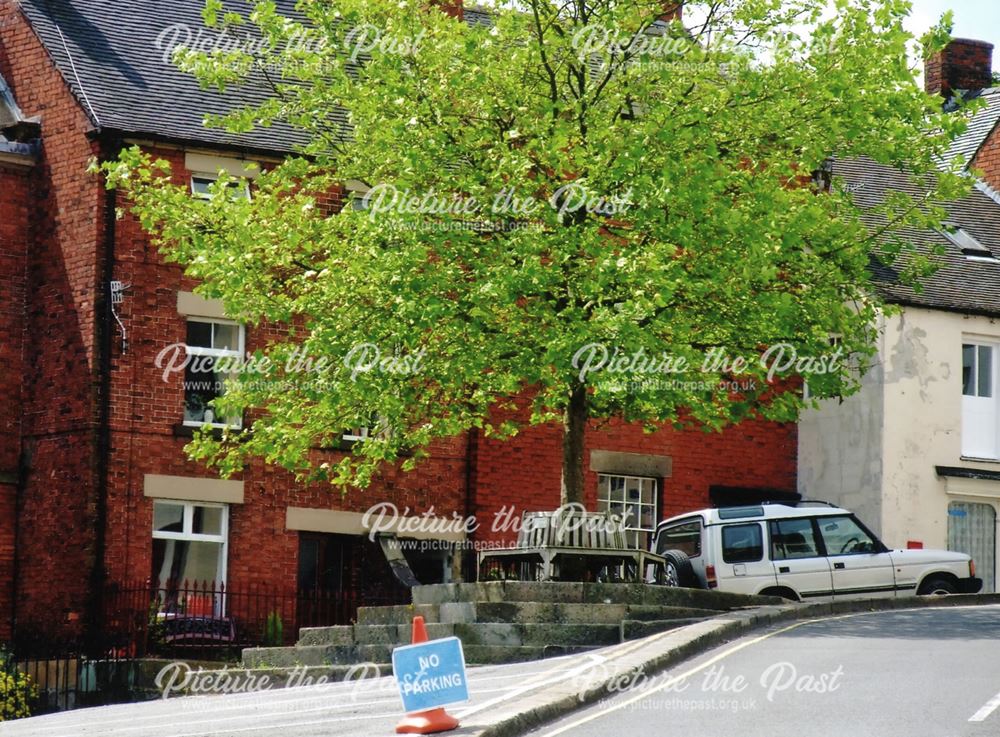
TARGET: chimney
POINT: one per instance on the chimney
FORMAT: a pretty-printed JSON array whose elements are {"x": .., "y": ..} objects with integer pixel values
[
  {"x": 454, "y": 8},
  {"x": 964, "y": 64}
]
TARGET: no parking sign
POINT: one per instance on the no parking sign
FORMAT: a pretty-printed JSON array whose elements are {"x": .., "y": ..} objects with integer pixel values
[{"x": 430, "y": 674}]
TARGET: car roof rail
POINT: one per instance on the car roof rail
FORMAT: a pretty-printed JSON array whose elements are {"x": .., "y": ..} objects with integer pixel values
[{"x": 802, "y": 503}]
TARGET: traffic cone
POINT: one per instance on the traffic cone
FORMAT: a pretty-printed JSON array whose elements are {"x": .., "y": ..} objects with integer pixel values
[{"x": 432, "y": 720}]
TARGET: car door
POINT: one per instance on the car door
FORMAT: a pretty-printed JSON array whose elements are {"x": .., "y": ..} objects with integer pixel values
[
  {"x": 860, "y": 564},
  {"x": 744, "y": 568},
  {"x": 798, "y": 560}
]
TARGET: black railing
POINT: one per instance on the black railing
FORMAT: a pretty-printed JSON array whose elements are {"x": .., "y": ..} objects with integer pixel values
[
  {"x": 212, "y": 621},
  {"x": 190, "y": 620}
]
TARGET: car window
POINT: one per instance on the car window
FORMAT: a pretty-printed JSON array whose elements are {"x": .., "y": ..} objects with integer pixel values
[
  {"x": 742, "y": 543},
  {"x": 844, "y": 536},
  {"x": 685, "y": 537},
  {"x": 793, "y": 538}
]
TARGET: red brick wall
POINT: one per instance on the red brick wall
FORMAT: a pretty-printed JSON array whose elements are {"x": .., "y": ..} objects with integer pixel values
[
  {"x": 987, "y": 161},
  {"x": 56, "y": 519},
  {"x": 526, "y": 470},
  {"x": 146, "y": 410},
  {"x": 60, "y": 408},
  {"x": 15, "y": 193}
]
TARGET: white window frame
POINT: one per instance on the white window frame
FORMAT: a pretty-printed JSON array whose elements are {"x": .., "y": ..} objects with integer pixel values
[
  {"x": 975, "y": 404},
  {"x": 215, "y": 353},
  {"x": 356, "y": 434},
  {"x": 626, "y": 503},
  {"x": 186, "y": 535},
  {"x": 241, "y": 188}
]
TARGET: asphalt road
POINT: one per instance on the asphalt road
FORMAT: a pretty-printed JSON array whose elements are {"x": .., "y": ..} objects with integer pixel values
[{"x": 912, "y": 673}]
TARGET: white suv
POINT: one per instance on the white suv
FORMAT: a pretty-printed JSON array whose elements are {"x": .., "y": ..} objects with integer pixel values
[{"x": 810, "y": 551}]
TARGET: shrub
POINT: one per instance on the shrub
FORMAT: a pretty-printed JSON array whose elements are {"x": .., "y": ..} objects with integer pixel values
[
  {"x": 17, "y": 692},
  {"x": 274, "y": 630}
]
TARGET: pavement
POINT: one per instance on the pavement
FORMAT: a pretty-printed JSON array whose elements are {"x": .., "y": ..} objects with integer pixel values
[{"x": 505, "y": 700}]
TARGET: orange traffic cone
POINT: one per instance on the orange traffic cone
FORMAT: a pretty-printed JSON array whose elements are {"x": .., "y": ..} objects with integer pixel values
[{"x": 432, "y": 720}]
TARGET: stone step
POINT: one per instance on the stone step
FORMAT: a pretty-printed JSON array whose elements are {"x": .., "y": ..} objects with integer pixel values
[
  {"x": 397, "y": 634},
  {"x": 632, "y": 629},
  {"x": 508, "y": 611},
  {"x": 512, "y": 634},
  {"x": 584, "y": 593},
  {"x": 289, "y": 657},
  {"x": 400, "y": 614},
  {"x": 525, "y": 612},
  {"x": 336, "y": 635}
]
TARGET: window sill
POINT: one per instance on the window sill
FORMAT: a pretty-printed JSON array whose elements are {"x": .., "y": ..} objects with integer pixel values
[
  {"x": 344, "y": 446},
  {"x": 975, "y": 459},
  {"x": 182, "y": 430}
]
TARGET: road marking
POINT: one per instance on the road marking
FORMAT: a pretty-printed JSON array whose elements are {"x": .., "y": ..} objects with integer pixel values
[
  {"x": 644, "y": 693},
  {"x": 564, "y": 673},
  {"x": 988, "y": 708}
]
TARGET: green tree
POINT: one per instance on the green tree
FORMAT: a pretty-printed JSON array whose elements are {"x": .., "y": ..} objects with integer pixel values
[{"x": 572, "y": 179}]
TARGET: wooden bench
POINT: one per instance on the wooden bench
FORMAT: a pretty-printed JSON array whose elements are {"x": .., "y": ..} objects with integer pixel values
[{"x": 597, "y": 540}]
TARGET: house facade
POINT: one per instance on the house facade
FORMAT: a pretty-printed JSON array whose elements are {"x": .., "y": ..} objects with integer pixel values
[
  {"x": 917, "y": 451},
  {"x": 95, "y": 488}
]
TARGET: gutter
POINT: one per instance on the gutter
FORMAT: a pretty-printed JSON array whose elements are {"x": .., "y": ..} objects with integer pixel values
[
  {"x": 471, "y": 457},
  {"x": 105, "y": 332}
]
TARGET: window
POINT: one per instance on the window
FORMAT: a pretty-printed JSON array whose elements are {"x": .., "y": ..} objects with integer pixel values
[
  {"x": 201, "y": 182},
  {"x": 793, "y": 538},
  {"x": 633, "y": 497},
  {"x": 189, "y": 550},
  {"x": 356, "y": 434},
  {"x": 742, "y": 543},
  {"x": 214, "y": 347},
  {"x": 844, "y": 536},
  {"x": 971, "y": 248},
  {"x": 685, "y": 537},
  {"x": 979, "y": 403}
]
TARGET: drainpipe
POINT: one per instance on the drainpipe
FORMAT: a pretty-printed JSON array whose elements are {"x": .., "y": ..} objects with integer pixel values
[
  {"x": 471, "y": 450},
  {"x": 105, "y": 334}
]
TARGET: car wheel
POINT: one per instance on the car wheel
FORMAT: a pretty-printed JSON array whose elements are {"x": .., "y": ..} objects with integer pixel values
[
  {"x": 678, "y": 570},
  {"x": 937, "y": 587}
]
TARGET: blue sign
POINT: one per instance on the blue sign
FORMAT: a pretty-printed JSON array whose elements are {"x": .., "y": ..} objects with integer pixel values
[{"x": 430, "y": 674}]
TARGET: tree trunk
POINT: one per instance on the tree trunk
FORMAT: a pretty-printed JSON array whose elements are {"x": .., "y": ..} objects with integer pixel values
[{"x": 574, "y": 424}]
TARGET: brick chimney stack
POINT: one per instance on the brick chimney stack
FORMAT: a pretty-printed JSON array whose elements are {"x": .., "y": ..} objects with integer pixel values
[
  {"x": 454, "y": 8},
  {"x": 964, "y": 64}
]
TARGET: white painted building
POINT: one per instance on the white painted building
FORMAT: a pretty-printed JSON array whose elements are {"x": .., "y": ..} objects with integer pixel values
[{"x": 916, "y": 453}]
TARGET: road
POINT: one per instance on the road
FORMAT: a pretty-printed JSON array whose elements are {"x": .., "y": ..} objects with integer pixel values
[{"x": 908, "y": 673}]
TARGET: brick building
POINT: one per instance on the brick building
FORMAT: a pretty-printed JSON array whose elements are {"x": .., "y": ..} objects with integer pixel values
[{"x": 94, "y": 482}]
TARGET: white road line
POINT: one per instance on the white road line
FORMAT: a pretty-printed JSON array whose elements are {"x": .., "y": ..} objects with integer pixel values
[
  {"x": 988, "y": 708},
  {"x": 534, "y": 684}
]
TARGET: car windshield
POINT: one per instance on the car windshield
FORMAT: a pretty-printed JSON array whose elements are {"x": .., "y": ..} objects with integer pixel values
[{"x": 844, "y": 536}]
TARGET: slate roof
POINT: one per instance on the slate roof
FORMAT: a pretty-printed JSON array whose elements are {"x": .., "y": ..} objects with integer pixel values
[
  {"x": 112, "y": 56},
  {"x": 984, "y": 121},
  {"x": 960, "y": 284},
  {"x": 115, "y": 59}
]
